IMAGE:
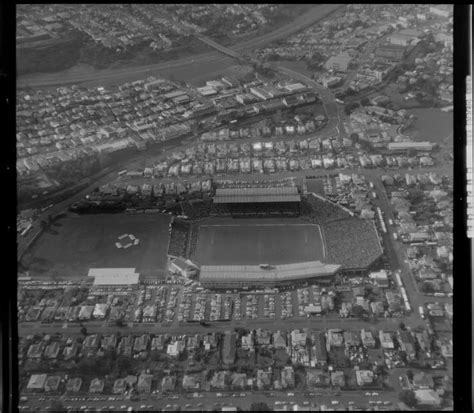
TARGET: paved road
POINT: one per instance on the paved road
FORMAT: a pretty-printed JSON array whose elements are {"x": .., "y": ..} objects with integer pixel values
[
  {"x": 210, "y": 400},
  {"x": 39, "y": 80},
  {"x": 319, "y": 323}
]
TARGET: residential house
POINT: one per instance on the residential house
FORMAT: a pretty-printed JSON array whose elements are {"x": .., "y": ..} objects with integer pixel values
[
  {"x": 407, "y": 344},
  {"x": 317, "y": 378},
  {"x": 338, "y": 379},
  {"x": 364, "y": 377},
  {"x": 96, "y": 386},
  {"x": 218, "y": 381},
  {"x": 248, "y": 342},
  {"x": 287, "y": 377},
  {"x": 52, "y": 350},
  {"x": 192, "y": 382},
  {"x": 120, "y": 386},
  {"x": 141, "y": 343},
  {"x": 228, "y": 348},
  {"x": 263, "y": 337},
  {"x": 422, "y": 380},
  {"x": 52, "y": 383},
  {"x": 386, "y": 340},
  {"x": 264, "y": 378},
  {"x": 238, "y": 381},
  {"x": 168, "y": 383},
  {"x": 144, "y": 383},
  {"x": 279, "y": 340},
  {"x": 74, "y": 385}
]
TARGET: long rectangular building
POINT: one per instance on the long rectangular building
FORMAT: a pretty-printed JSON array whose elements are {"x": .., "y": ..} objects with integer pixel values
[
  {"x": 253, "y": 195},
  {"x": 254, "y": 276},
  {"x": 114, "y": 276}
]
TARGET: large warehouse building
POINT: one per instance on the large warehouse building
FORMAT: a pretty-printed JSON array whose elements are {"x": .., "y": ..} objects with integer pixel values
[
  {"x": 258, "y": 201},
  {"x": 112, "y": 277},
  {"x": 259, "y": 276}
]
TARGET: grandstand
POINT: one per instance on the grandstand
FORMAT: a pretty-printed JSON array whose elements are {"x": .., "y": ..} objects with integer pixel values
[
  {"x": 261, "y": 202},
  {"x": 254, "y": 276}
]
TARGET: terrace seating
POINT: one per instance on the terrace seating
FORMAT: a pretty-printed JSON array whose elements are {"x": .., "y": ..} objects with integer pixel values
[
  {"x": 318, "y": 211},
  {"x": 178, "y": 238},
  {"x": 193, "y": 239},
  {"x": 343, "y": 235}
]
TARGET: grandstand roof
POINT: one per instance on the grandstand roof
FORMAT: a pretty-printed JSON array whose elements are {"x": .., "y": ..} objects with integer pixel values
[
  {"x": 249, "y": 273},
  {"x": 249, "y": 195},
  {"x": 117, "y": 279},
  {"x": 94, "y": 272}
]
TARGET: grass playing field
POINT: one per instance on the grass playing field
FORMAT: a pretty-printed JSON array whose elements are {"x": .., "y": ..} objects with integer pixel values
[
  {"x": 258, "y": 241},
  {"x": 76, "y": 243}
]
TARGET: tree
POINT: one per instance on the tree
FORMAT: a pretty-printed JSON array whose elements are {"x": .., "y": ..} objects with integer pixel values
[
  {"x": 57, "y": 406},
  {"x": 259, "y": 407},
  {"x": 411, "y": 153},
  {"x": 410, "y": 375},
  {"x": 84, "y": 331},
  {"x": 401, "y": 325},
  {"x": 350, "y": 107},
  {"x": 120, "y": 323},
  {"x": 427, "y": 288},
  {"x": 358, "y": 311},
  {"x": 408, "y": 397},
  {"x": 355, "y": 137}
]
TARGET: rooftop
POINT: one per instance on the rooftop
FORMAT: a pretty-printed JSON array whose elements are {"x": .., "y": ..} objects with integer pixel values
[{"x": 245, "y": 195}]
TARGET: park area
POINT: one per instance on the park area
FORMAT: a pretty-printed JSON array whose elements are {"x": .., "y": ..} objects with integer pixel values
[
  {"x": 72, "y": 245},
  {"x": 254, "y": 241}
]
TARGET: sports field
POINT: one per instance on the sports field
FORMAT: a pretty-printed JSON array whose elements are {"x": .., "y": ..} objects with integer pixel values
[
  {"x": 258, "y": 241},
  {"x": 76, "y": 243}
]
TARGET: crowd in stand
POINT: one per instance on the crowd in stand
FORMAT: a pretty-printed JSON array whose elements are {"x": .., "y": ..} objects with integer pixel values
[
  {"x": 351, "y": 242},
  {"x": 178, "y": 238},
  {"x": 194, "y": 235},
  {"x": 318, "y": 211}
]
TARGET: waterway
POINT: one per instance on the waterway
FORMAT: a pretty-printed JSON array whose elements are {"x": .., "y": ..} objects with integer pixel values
[{"x": 432, "y": 125}]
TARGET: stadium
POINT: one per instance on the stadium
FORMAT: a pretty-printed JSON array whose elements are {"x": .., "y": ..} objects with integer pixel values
[{"x": 254, "y": 238}]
